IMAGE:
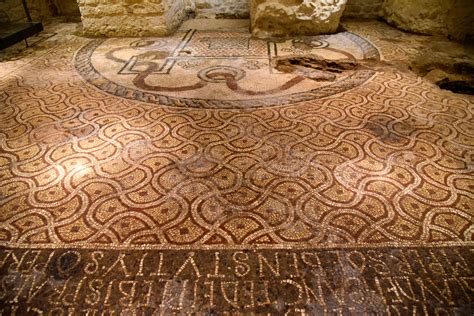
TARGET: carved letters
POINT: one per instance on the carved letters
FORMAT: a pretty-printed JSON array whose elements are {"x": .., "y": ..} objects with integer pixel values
[{"x": 112, "y": 282}]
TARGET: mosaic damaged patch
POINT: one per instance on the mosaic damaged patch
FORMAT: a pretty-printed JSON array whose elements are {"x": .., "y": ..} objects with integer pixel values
[{"x": 226, "y": 69}]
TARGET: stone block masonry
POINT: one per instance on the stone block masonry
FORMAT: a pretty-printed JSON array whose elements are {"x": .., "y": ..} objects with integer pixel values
[
  {"x": 131, "y": 17},
  {"x": 452, "y": 18},
  {"x": 273, "y": 18},
  {"x": 222, "y": 9},
  {"x": 12, "y": 10},
  {"x": 149, "y": 17},
  {"x": 240, "y": 8},
  {"x": 367, "y": 9}
]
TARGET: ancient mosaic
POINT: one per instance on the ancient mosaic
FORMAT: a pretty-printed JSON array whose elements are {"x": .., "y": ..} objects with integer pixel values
[
  {"x": 189, "y": 69},
  {"x": 210, "y": 172}
]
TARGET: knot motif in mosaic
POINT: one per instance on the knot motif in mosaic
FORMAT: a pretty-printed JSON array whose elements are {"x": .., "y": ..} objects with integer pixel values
[{"x": 169, "y": 71}]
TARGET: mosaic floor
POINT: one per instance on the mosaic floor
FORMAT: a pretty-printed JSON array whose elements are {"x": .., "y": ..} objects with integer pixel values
[
  {"x": 220, "y": 69},
  {"x": 214, "y": 173}
]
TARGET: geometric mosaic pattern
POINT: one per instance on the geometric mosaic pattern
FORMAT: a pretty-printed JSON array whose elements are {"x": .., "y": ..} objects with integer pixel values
[
  {"x": 348, "y": 197},
  {"x": 388, "y": 162},
  {"x": 221, "y": 69}
]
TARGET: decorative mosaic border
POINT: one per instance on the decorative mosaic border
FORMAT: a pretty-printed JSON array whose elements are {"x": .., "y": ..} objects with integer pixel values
[{"x": 86, "y": 69}]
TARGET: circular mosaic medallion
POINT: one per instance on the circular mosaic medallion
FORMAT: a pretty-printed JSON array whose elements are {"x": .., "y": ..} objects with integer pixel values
[
  {"x": 221, "y": 74},
  {"x": 225, "y": 69}
]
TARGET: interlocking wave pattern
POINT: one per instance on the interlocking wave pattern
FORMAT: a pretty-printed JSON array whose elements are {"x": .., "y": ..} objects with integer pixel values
[{"x": 388, "y": 162}]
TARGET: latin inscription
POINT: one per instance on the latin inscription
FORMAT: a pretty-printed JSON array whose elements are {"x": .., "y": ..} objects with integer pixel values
[{"x": 112, "y": 282}]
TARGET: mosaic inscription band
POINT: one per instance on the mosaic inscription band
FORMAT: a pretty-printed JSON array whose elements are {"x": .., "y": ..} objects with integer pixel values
[{"x": 383, "y": 281}]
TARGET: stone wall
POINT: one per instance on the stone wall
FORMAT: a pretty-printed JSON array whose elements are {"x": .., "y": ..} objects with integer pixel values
[
  {"x": 367, "y": 9},
  {"x": 12, "y": 10},
  {"x": 452, "y": 18},
  {"x": 151, "y": 17},
  {"x": 276, "y": 18},
  {"x": 240, "y": 8},
  {"x": 67, "y": 7},
  {"x": 41, "y": 9},
  {"x": 222, "y": 9},
  {"x": 131, "y": 17}
]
